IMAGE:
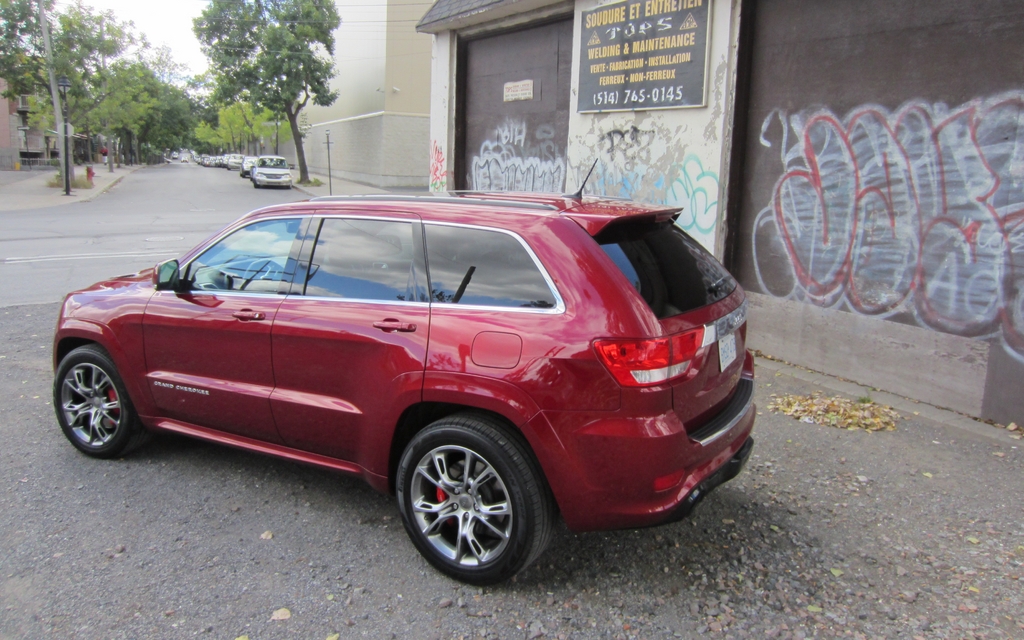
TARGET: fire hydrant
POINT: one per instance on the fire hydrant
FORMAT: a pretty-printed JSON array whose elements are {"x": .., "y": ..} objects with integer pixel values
[{"x": 89, "y": 173}]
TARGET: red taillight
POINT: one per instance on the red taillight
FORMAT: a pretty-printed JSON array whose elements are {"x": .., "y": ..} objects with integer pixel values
[{"x": 641, "y": 363}]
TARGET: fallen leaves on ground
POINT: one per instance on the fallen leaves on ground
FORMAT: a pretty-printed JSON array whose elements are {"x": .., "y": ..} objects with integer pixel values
[
  {"x": 836, "y": 411},
  {"x": 281, "y": 614}
]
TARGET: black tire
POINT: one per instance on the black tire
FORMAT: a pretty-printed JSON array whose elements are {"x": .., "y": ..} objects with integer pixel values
[
  {"x": 87, "y": 383},
  {"x": 476, "y": 511},
  {"x": 255, "y": 185}
]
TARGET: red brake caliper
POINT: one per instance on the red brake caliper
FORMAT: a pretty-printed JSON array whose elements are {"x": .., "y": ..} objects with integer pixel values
[
  {"x": 112, "y": 396},
  {"x": 441, "y": 497}
]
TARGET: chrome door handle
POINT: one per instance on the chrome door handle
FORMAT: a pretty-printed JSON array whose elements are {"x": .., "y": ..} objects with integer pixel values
[
  {"x": 387, "y": 326},
  {"x": 249, "y": 314}
]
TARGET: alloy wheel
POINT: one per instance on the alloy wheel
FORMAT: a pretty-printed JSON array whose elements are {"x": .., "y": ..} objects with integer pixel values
[
  {"x": 461, "y": 505},
  {"x": 91, "y": 405}
]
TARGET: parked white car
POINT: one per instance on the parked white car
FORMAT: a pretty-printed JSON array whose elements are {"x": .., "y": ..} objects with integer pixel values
[
  {"x": 271, "y": 171},
  {"x": 235, "y": 162}
]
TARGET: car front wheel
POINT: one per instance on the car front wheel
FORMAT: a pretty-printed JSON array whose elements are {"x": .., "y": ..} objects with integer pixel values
[
  {"x": 92, "y": 406},
  {"x": 473, "y": 499}
]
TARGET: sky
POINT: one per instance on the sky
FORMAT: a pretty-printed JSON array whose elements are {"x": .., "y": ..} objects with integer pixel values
[{"x": 164, "y": 22}]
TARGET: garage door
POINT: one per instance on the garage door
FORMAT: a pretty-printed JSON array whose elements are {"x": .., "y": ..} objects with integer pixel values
[{"x": 516, "y": 116}]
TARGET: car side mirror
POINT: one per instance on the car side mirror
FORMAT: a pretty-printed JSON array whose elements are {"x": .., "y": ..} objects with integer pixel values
[{"x": 166, "y": 276}]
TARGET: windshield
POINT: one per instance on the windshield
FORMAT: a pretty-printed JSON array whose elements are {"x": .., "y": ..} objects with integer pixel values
[{"x": 274, "y": 163}]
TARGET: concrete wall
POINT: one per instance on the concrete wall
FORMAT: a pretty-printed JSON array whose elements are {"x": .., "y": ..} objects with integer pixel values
[
  {"x": 669, "y": 156},
  {"x": 883, "y": 193},
  {"x": 890, "y": 229},
  {"x": 382, "y": 149},
  {"x": 941, "y": 369}
]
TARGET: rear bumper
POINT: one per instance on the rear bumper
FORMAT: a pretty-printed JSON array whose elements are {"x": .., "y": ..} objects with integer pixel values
[
  {"x": 725, "y": 473},
  {"x": 619, "y": 472}
]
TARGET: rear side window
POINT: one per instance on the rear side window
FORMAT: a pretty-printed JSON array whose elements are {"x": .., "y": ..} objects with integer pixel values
[
  {"x": 482, "y": 267},
  {"x": 670, "y": 270},
  {"x": 363, "y": 260}
]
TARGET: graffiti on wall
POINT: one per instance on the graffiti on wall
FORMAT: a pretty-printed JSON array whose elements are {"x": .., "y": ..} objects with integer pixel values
[
  {"x": 915, "y": 214},
  {"x": 636, "y": 164},
  {"x": 438, "y": 168},
  {"x": 514, "y": 158}
]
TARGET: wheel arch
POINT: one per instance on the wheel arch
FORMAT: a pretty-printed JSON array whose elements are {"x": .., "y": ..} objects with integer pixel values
[{"x": 74, "y": 333}]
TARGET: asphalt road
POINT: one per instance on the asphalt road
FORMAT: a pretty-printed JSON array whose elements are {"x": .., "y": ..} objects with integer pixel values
[
  {"x": 153, "y": 214},
  {"x": 827, "y": 533}
]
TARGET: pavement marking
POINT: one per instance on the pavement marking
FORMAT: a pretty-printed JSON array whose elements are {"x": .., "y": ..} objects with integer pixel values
[{"x": 87, "y": 256}]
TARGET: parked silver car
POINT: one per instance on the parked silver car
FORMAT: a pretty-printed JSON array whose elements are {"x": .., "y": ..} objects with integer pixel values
[
  {"x": 235, "y": 162},
  {"x": 247, "y": 165},
  {"x": 271, "y": 171}
]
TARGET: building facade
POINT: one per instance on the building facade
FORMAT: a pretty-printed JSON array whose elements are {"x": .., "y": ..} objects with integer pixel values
[
  {"x": 379, "y": 125},
  {"x": 858, "y": 164},
  {"x": 21, "y": 145}
]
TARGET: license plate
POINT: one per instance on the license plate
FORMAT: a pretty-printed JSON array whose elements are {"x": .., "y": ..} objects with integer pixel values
[{"x": 726, "y": 351}]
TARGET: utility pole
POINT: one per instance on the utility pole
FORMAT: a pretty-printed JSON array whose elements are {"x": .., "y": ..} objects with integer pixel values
[
  {"x": 57, "y": 117},
  {"x": 103, "y": 66},
  {"x": 330, "y": 181}
]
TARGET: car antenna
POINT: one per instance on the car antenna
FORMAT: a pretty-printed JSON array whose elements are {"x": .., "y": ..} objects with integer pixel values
[{"x": 579, "y": 194}]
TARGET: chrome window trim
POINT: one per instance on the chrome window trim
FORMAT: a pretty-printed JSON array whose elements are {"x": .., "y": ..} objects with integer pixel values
[
  {"x": 224, "y": 292},
  {"x": 559, "y": 307},
  {"x": 400, "y": 303}
]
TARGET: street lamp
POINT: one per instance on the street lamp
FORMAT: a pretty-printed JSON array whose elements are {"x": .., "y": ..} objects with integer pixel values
[
  {"x": 330, "y": 181},
  {"x": 63, "y": 85}
]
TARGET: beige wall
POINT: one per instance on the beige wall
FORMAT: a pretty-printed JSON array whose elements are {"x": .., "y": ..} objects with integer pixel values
[
  {"x": 380, "y": 123},
  {"x": 359, "y": 59},
  {"x": 407, "y": 76}
]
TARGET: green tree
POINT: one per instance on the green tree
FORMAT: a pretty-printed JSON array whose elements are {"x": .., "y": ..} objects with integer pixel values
[
  {"x": 278, "y": 52},
  {"x": 22, "y": 61}
]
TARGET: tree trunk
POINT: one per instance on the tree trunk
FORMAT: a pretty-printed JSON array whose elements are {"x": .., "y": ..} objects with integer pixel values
[{"x": 300, "y": 154}]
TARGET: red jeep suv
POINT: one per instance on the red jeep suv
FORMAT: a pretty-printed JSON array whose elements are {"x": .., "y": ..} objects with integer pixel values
[{"x": 494, "y": 360}]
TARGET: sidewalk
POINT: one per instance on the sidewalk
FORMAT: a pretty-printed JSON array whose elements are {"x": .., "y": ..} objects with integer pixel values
[
  {"x": 32, "y": 192},
  {"x": 342, "y": 187}
]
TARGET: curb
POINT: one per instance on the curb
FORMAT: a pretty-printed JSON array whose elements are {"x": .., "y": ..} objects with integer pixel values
[
  {"x": 110, "y": 186},
  {"x": 900, "y": 403}
]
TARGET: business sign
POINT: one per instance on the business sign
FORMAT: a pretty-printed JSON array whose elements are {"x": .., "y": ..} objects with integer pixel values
[
  {"x": 515, "y": 91},
  {"x": 644, "y": 54}
]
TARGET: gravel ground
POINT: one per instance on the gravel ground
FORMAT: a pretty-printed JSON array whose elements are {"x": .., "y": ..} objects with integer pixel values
[{"x": 905, "y": 534}]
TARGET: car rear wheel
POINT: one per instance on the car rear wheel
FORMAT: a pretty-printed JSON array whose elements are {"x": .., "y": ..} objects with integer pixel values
[
  {"x": 92, "y": 406},
  {"x": 473, "y": 499}
]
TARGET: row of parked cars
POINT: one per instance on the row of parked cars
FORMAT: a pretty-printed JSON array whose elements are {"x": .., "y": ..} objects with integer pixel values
[{"x": 262, "y": 171}]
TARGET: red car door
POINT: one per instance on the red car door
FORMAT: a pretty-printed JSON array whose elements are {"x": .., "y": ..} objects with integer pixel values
[
  {"x": 350, "y": 342},
  {"x": 208, "y": 349}
]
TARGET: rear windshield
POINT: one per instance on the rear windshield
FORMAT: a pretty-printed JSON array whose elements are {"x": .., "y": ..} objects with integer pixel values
[{"x": 670, "y": 270}]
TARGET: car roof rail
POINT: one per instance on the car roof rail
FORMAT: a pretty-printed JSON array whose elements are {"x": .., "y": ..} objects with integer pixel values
[{"x": 447, "y": 199}]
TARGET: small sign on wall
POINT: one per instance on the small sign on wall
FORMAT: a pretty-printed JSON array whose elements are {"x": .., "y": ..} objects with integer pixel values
[
  {"x": 644, "y": 54},
  {"x": 521, "y": 90}
]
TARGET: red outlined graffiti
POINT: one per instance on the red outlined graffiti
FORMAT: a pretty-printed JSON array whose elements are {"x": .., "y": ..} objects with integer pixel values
[
  {"x": 917, "y": 213},
  {"x": 438, "y": 168}
]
